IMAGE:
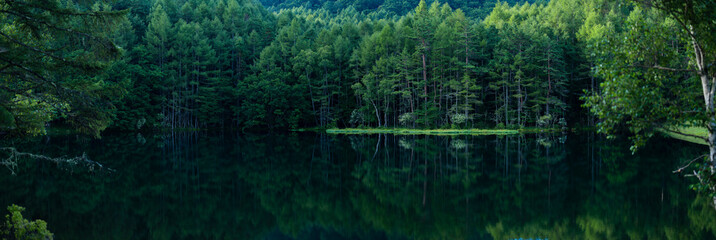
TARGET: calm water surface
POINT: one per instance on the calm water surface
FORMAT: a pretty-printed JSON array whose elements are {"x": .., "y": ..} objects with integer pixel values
[{"x": 312, "y": 186}]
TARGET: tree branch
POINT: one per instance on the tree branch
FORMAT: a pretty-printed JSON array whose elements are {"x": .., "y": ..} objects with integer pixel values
[
  {"x": 32, "y": 48},
  {"x": 665, "y": 68},
  {"x": 690, "y": 162},
  {"x": 29, "y": 71},
  {"x": 47, "y": 24}
]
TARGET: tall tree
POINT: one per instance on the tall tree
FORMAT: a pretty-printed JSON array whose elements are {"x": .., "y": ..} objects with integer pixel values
[{"x": 648, "y": 84}]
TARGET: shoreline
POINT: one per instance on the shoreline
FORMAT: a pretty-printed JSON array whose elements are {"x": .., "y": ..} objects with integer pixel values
[{"x": 404, "y": 131}]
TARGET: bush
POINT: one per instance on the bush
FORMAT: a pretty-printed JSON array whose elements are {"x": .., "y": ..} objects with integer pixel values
[
  {"x": 357, "y": 118},
  {"x": 17, "y": 227},
  {"x": 544, "y": 121},
  {"x": 140, "y": 123},
  {"x": 458, "y": 118},
  {"x": 406, "y": 119}
]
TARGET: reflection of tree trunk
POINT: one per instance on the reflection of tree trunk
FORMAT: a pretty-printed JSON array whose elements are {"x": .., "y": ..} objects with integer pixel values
[
  {"x": 377, "y": 146},
  {"x": 549, "y": 189},
  {"x": 385, "y": 149},
  {"x": 519, "y": 159},
  {"x": 425, "y": 175},
  {"x": 549, "y": 181},
  {"x": 425, "y": 182},
  {"x": 310, "y": 171},
  {"x": 507, "y": 157},
  {"x": 412, "y": 157},
  {"x": 467, "y": 179}
]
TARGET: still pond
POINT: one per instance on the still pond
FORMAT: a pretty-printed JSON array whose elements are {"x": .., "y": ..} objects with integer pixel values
[{"x": 224, "y": 185}]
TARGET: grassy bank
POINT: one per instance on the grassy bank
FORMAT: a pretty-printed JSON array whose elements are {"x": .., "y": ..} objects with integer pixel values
[
  {"x": 698, "y": 131},
  {"x": 407, "y": 131}
]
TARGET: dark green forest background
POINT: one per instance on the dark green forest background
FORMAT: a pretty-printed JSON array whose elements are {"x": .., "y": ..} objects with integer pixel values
[{"x": 294, "y": 64}]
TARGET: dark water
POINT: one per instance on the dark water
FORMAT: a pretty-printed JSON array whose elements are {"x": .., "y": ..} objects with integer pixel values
[{"x": 308, "y": 186}]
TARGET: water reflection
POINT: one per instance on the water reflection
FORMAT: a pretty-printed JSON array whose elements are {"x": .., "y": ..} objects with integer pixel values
[{"x": 230, "y": 186}]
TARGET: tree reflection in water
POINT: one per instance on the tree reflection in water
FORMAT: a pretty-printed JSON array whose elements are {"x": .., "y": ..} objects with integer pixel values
[{"x": 225, "y": 186}]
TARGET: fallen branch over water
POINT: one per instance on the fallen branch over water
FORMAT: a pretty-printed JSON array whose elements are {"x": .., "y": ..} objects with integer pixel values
[{"x": 14, "y": 156}]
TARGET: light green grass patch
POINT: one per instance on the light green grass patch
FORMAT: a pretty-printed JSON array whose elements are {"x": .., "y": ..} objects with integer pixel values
[{"x": 698, "y": 131}]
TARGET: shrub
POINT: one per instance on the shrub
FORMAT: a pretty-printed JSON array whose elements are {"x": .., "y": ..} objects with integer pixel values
[
  {"x": 544, "y": 121},
  {"x": 406, "y": 119},
  {"x": 17, "y": 227},
  {"x": 357, "y": 118},
  {"x": 458, "y": 118}
]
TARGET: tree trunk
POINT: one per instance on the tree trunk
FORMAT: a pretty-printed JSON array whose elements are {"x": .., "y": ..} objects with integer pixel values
[
  {"x": 549, "y": 77},
  {"x": 708, "y": 85},
  {"x": 377, "y": 114},
  {"x": 425, "y": 80}
]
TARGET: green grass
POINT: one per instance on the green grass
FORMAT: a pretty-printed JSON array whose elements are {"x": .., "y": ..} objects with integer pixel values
[
  {"x": 314, "y": 129},
  {"x": 544, "y": 130},
  {"x": 698, "y": 131},
  {"x": 406, "y": 131}
]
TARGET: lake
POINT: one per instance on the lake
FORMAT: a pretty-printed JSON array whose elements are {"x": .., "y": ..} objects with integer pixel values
[{"x": 226, "y": 185}]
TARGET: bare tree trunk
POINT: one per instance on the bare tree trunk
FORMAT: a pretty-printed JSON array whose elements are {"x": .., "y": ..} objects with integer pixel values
[
  {"x": 385, "y": 112},
  {"x": 549, "y": 77},
  {"x": 425, "y": 80},
  {"x": 708, "y": 85},
  {"x": 377, "y": 114}
]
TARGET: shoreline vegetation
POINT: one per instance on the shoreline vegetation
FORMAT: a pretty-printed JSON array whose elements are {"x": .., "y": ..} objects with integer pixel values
[
  {"x": 359, "y": 130},
  {"x": 696, "y": 131},
  {"x": 409, "y": 131}
]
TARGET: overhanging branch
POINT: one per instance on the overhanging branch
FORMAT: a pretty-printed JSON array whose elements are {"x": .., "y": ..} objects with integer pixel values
[{"x": 665, "y": 68}]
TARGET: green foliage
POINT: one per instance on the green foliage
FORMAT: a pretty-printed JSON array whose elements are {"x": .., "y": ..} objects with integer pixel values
[
  {"x": 233, "y": 64},
  {"x": 199, "y": 66},
  {"x": 31, "y": 115},
  {"x": 17, "y": 227},
  {"x": 7, "y": 120},
  {"x": 636, "y": 94},
  {"x": 474, "y": 8},
  {"x": 51, "y": 54},
  {"x": 406, "y": 119}
]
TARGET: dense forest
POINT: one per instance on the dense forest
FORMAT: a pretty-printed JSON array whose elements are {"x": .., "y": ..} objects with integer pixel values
[
  {"x": 637, "y": 68},
  {"x": 235, "y": 64},
  {"x": 474, "y": 9}
]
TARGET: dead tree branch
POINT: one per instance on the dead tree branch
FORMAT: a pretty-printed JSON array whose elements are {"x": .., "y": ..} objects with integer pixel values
[{"x": 11, "y": 162}]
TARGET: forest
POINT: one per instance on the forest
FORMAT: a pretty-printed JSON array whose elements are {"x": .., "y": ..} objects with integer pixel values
[
  {"x": 236, "y": 64},
  {"x": 159, "y": 74}
]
